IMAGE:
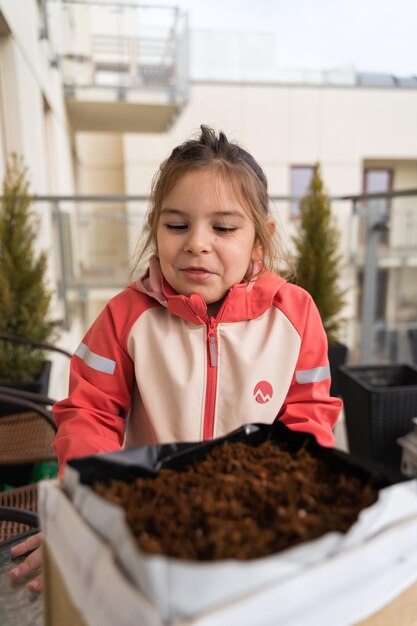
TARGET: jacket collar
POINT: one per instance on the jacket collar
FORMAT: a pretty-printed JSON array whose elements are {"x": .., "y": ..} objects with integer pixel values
[{"x": 245, "y": 301}]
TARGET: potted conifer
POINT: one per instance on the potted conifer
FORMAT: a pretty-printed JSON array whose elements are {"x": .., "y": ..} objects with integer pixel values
[
  {"x": 24, "y": 296},
  {"x": 317, "y": 265}
]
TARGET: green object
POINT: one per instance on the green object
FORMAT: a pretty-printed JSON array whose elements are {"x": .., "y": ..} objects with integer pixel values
[
  {"x": 6, "y": 487},
  {"x": 44, "y": 470},
  {"x": 24, "y": 297},
  {"x": 317, "y": 257}
]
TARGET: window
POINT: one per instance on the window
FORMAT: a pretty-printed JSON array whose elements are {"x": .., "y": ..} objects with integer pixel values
[
  {"x": 299, "y": 184},
  {"x": 379, "y": 180},
  {"x": 42, "y": 20},
  {"x": 381, "y": 294}
]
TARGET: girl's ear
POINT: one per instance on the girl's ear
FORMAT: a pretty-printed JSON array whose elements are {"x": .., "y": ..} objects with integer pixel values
[
  {"x": 271, "y": 225},
  {"x": 258, "y": 251}
]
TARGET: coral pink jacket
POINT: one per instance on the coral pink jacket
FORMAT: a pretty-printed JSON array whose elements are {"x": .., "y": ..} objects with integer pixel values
[{"x": 156, "y": 358}]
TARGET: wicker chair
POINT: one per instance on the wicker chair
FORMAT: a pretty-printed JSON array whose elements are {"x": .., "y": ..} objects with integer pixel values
[
  {"x": 28, "y": 428},
  {"x": 25, "y": 439},
  {"x": 18, "y": 512},
  {"x": 34, "y": 344}
]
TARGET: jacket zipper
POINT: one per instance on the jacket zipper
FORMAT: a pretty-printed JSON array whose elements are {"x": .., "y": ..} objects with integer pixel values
[{"x": 211, "y": 382}]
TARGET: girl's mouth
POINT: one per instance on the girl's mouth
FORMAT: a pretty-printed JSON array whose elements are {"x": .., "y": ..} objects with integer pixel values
[{"x": 197, "y": 274}]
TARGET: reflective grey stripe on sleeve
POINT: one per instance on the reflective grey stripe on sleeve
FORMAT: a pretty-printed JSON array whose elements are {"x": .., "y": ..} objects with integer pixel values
[
  {"x": 95, "y": 361},
  {"x": 315, "y": 375}
]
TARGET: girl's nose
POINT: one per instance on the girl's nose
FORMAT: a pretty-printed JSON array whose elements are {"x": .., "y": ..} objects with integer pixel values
[{"x": 197, "y": 241}]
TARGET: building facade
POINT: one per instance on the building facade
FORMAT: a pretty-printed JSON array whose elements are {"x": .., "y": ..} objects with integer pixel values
[{"x": 95, "y": 97}]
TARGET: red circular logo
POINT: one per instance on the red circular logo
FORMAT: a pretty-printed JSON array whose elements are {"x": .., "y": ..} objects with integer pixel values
[{"x": 263, "y": 392}]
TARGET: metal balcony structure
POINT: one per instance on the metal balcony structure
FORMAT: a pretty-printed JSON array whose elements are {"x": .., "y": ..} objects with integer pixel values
[
  {"x": 96, "y": 239},
  {"x": 386, "y": 256},
  {"x": 124, "y": 65}
]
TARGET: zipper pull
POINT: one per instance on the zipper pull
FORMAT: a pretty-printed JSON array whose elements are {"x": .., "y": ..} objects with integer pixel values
[{"x": 212, "y": 341}]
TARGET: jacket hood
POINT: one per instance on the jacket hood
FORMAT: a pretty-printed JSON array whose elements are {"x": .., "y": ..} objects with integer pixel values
[{"x": 246, "y": 300}]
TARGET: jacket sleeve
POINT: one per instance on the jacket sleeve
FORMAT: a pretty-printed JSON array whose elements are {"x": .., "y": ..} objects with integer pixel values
[
  {"x": 308, "y": 406},
  {"x": 91, "y": 419}
]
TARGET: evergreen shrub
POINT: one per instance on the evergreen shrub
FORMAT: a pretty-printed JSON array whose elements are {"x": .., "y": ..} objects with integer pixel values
[
  {"x": 24, "y": 296},
  {"x": 317, "y": 257}
]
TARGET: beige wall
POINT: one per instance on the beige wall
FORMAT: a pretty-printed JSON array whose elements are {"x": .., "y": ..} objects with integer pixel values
[
  {"x": 101, "y": 171},
  {"x": 34, "y": 124},
  {"x": 33, "y": 120},
  {"x": 100, "y": 163},
  {"x": 281, "y": 126}
]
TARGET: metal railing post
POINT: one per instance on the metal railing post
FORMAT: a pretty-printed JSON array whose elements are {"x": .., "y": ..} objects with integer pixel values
[
  {"x": 64, "y": 273},
  {"x": 375, "y": 226}
]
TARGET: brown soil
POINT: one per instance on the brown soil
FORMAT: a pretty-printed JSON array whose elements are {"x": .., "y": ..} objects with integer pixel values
[{"x": 239, "y": 502}]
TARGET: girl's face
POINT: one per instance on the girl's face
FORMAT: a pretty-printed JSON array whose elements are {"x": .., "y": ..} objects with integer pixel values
[{"x": 205, "y": 239}]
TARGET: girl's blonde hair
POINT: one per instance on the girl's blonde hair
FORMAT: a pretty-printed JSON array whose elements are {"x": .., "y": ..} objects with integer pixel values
[{"x": 236, "y": 166}]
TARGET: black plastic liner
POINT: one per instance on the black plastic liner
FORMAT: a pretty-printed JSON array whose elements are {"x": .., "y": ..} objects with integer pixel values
[{"x": 148, "y": 460}]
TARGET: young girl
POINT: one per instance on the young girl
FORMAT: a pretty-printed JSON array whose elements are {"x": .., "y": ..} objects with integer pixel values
[{"x": 210, "y": 337}]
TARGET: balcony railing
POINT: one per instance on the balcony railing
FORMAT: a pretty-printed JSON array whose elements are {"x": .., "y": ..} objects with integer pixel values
[
  {"x": 96, "y": 239},
  {"x": 124, "y": 52}
]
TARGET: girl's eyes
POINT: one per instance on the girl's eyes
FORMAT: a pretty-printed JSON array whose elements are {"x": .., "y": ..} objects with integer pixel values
[
  {"x": 225, "y": 229},
  {"x": 176, "y": 226},
  {"x": 217, "y": 229}
]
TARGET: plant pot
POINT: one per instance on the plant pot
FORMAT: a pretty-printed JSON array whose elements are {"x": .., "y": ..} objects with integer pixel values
[
  {"x": 39, "y": 385},
  {"x": 337, "y": 356},
  {"x": 380, "y": 402}
]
